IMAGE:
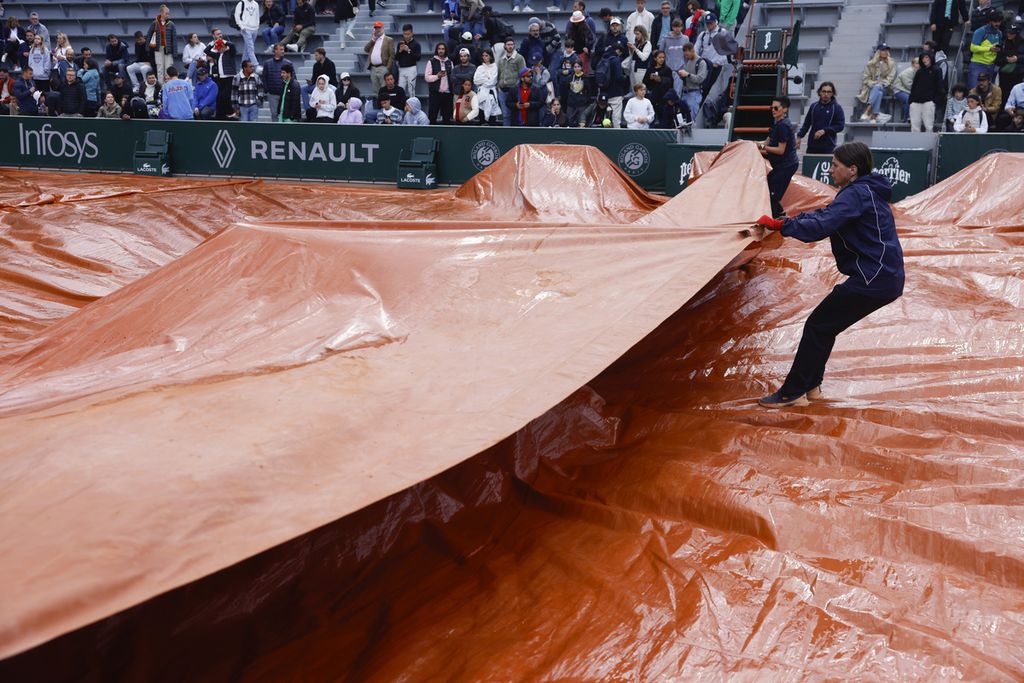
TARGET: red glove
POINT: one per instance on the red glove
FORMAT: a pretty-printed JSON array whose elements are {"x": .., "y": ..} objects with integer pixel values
[{"x": 770, "y": 223}]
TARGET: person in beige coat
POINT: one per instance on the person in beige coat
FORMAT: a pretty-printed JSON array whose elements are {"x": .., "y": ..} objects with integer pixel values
[
  {"x": 380, "y": 50},
  {"x": 879, "y": 75}
]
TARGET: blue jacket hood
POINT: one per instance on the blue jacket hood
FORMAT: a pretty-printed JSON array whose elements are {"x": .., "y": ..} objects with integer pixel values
[{"x": 878, "y": 184}]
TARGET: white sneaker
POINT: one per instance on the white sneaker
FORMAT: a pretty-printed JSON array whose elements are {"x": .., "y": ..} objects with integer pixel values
[
  {"x": 865, "y": 117},
  {"x": 515, "y": 9},
  {"x": 350, "y": 34},
  {"x": 292, "y": 47},
  {"x": 430, "y": 11},
  {"x": 551, "y": 8},
  {"x": 527, "y": 8},
  {"x": 884, "y": 118}
]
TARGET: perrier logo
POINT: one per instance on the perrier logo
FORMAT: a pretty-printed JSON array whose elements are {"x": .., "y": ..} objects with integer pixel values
[{"x": 891, "y": 170}]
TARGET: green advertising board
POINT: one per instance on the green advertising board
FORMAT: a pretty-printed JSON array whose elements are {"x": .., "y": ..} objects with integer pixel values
[
  {"x": 908, "y": 170},
  {"x": 957, "y": 151},
  {"x": 679, "y": 162},
  {"x": 311, "y": 151}
]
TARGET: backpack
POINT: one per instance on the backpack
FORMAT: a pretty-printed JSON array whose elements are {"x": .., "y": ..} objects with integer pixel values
[
  {"x": 603, "y": 74},
  {"x": 231, "y": 17},
  {"x": 503, "y": 29}
]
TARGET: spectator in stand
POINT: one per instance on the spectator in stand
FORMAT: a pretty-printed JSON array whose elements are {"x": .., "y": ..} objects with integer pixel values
[
  {"x": 463, "y": 69},
  {"x": 640, "y": 17},
  {"x": 352, "y": 116},
  {"x": 26, "y": 94},
  {"x": 582, "y": 38},
  {"x": 115, "y": 58},
  {"x": 273, "y": 82},
  {"x": 616, "y": 37},
  {"x": 1014, "y": 105},
  {"x": 673, "y": 46},
  {"x": 639, "y": 113},
  {"x": 510, "y": 64},
  {"x": 617, "y": 84},
  {"x": 902, "y": 85},
  {"x": 387, "y": 114},
  {"x": 639, "y": 57},
  {"x": 879, "y": 75},
  {"x": 204, "y": 95},
  {"x": 979, "y": 17},
  {"x": 824, "y": 121},
  {"x": 532, "y": 47},
  {"x": 485, "y": 80},
  {"x": 110, "y": 109},
  {"x": 39, "y": 59},
  {"x": 23, "y": 50},
  {"x": 658, "y": 79},
  {"x": 1016, "y": 124},
  {"x": 1011, "y": 58},
  {"x": 13, "y": 38},
  {"x": 150, "y": 95},
  {"x": 467, "y": 106},
  {"x": 955, "y": 104},
  {"x": 695, "y": 21},
  {"x": 90, "y": 78},
  {"x": 941, "y": 61},
  {"x": 220, "y": 55},
  {"x": 945, "y": 16},
  {"x": 272, "y": 21},
  {"x": 601, "y": 115},
  {"x": 247, "y": 93},
  {"x": 322, "y": 102},
  {"x": 542, "y": 79},
  {"x": 247, "y": 18},
  {"x": 345, "y": 14},
  {"x": 927, "y": 93},
  {"x": 986, "y": 44},
  {"x": 728, "y": 10},
  {"x": 62, "y": 62},
  {"x": 346, "y": 91},
  {"x": 972, "y": 119},
  {"x": 715, "y": 45},
  {"x": 561, "y": 71},
  {"x": 990, "y": 95},
  {"x": 661, "y": 27},
  {"x": 523, "y": 6},
  {"x": 193, "y": 55},
  {"x": 81, "y": 59},
  {"x": 592, "y": 55},
  {"x": 692, "y": 77},
  {"x": 437, "y": 75},
  {"x": 408, "y": 55},
  {"x": 121, "y": 91},
  {"x": 553, "y": 116},
  {"x": 305, "y": 26},
  {"x": 291, "y": 101},
  {"x": 145, "y": 61},
  {"x": 178, "y": 97},
  {"x": 578, "y": 97},
  {"x": 6, "y": 91},
  {"x": 581, "y": 7},
  {"x": 71, "y": 100},
  {"x": 414, "y": 115},
  {"x": 395, "y": 93},
  {"x": 63, "y": 45},
  {"x": 38, "y": 28},
  {"x": 163, "y": 40},
  {"x": 525, "y": 101},
  {"x": 780, "y": 150},
  {"x": 322, "y": 66},
  {"x": 381, "y": 49}
]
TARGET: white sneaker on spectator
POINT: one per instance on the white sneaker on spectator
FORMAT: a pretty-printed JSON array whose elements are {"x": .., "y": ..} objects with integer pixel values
[
  {"x": 527, "y": 8},
  {"x": 430, "y": 11},
  {"x": 350, "y": 34},
  {"x": 865, "y": 117},
  {"x": 292, "y": 47},
  {"x": 884, "y": 118},
  {"x": 515, "y": 9},
  {"x": 552, "y": 8}
]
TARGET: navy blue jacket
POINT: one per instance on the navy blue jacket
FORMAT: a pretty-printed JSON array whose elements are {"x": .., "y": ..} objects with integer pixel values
[
  {"x": 860, "y": 225},
  {"x": 827, "y": 117}
]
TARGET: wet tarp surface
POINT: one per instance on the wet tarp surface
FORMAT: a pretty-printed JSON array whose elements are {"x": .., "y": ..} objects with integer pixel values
[{"x": 654, "y": 524}]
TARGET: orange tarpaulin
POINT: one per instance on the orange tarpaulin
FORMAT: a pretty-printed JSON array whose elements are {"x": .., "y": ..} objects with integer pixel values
[{"x": 654, "y": 524}]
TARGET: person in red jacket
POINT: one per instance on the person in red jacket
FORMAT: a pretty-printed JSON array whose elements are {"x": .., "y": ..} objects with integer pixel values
[{"x": 6, "y": 91}]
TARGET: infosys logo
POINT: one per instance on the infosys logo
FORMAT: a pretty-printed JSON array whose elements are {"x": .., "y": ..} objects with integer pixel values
[{"x": 53, "y": 143}]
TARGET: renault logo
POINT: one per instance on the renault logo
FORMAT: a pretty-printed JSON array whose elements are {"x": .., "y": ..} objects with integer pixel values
[{"x": 223, "y": 148}]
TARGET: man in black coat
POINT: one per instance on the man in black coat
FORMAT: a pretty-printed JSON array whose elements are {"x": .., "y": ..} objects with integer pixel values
[
  {"x": 525, "y": 101},
  {"x": 221, "y": 54},
  {"x": 945, "y": 16},
  {"x": 72, "y": 95},
  {"x": 291, "y": 99}
]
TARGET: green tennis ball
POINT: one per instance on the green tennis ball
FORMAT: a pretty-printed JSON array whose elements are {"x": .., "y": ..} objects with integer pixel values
[{"x": 607, "y": 123}]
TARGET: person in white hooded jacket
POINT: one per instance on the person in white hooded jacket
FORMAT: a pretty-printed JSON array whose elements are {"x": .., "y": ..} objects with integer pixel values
[
  {"x": 414, "y": 115},
  {"x": 322, "y": 100},
  {"x": 352, "y": 115},
  {"x": 247, "y": 16}
]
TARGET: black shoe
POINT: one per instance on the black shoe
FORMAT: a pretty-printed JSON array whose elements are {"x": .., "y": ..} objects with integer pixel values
[{"x": 777, "y": 400}]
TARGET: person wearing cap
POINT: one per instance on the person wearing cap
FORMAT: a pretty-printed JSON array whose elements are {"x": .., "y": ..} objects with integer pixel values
[
  {"x": 38, "y": 28},
  {"x": 601, "y": 115},
  {"x": 408, "y": 56},
  {"x": 859, "y": 224},
  {"x": 944, "y": 17},
  {"x": 247, "y": 17},
  {"x": 6, "y": 91},
  {"x": 616, "y": 37},
  {"x": 438, "y": 74},
  {"x": 291, "y": 102},
  {"x": 582, "y": 38},
  {"x": 510, "y": 65},
  {"x": 709, "y": 46},
  {"x": 381, "y": 51},
  {"x": 662, "y": 24},
  {"x": 639, "y": 17},
  {"x": 525, "y": 101},
  {"x": 617, "y": 84},
  {"x": 346, "y": 90},
  {"x": 121, "y": 91},
  {"x": 986, "y": 43},
  {"x": 990, "y": 94},
  {"x": 204, "y": 95},
  {"x": 1010, "y": 61},
  {"x": 247, "y": 93},
  {"x": 878, "y": 77},
  {"x": 581, "y": 7},
  {"x": 973, "y": 118},
  {"x": 462, "y": 69},
  {"x": 532, "y": 46}
]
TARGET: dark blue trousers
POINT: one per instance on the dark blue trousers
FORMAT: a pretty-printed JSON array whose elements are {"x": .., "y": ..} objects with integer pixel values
[
  {"x": 838, "y": 311},
  {"x": 778, "y": 183}
]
